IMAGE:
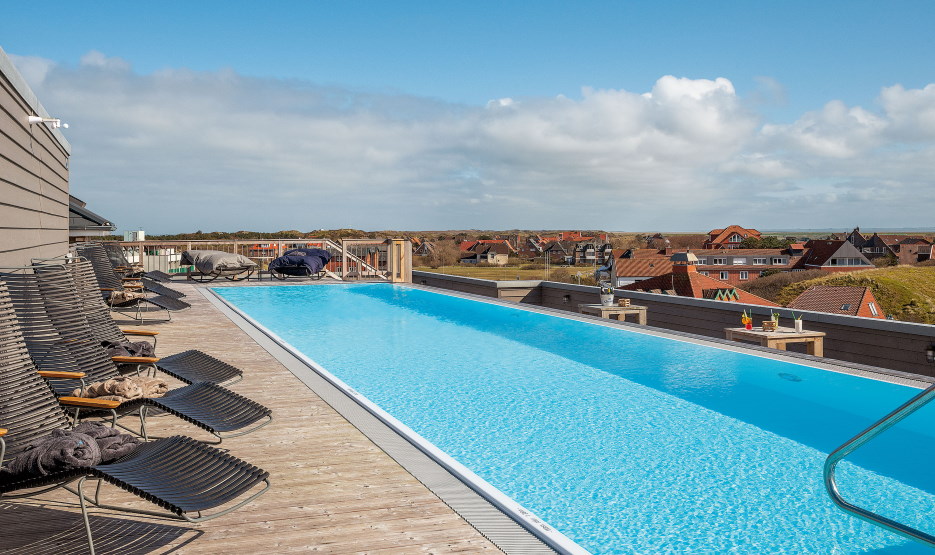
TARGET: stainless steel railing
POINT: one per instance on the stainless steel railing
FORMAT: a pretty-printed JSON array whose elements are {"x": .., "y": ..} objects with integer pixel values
[{"x": 861, "y": 439}]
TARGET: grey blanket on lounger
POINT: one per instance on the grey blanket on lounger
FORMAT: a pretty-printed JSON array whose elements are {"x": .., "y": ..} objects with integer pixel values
[
  {"x": 60, "y": 450},
  {"x": 112, "y": 442},
  {"x": 208, "y": 262},
  {"x": 86, "y": 445}
]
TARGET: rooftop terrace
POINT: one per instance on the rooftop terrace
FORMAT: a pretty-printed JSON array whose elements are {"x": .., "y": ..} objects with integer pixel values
[{"x": 334, "y": 490}]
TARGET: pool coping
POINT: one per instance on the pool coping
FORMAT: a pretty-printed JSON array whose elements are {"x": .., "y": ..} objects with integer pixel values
[{"x": 381, "y": 428}]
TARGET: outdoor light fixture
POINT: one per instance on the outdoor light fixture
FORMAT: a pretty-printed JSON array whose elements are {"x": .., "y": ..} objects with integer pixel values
[
  {"x": 930, "y": 353},
  {"x": 54, "y": 123}
]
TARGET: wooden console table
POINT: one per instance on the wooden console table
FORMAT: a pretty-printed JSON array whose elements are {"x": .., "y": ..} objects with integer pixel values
[
  {"x": 814, "y": 340},
  {"x": 614, "y": 312}
]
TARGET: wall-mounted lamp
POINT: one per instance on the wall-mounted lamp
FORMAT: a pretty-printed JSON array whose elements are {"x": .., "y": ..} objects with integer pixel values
[
  {"x": 566, "y": 299},
  {"x": 54, "y": 123},
  {"x": 930, "y": 353}
]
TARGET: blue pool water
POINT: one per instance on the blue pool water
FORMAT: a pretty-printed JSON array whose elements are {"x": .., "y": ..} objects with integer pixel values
[{"x": 626, "y": 442}]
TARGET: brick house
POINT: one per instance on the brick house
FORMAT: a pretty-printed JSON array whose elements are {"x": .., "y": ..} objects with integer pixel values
[
  {"x": 729, "y": 238},
  {"x": 684, "y": 280}
]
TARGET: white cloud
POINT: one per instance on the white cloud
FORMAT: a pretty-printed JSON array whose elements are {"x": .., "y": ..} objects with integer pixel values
[{"x": 179, "y": 150}]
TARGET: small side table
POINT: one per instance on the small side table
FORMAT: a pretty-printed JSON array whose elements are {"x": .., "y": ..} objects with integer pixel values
[
  {"x": 814, "y": 340},
  {"x": 614, "y": 312}
]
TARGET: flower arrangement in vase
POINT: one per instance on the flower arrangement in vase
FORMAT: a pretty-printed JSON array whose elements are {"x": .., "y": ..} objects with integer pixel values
[{"x": 607, "y": 294}]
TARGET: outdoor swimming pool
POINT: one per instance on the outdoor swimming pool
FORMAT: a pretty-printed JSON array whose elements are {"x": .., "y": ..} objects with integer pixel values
[{"x": 625, "y": 442}]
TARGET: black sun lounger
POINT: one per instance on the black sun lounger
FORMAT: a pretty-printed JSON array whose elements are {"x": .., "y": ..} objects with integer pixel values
[
  {"x": 184, "y": 477},
  {"x": 110, "y": 284},
  {"x": 190, "y": 366},
  {"x": 123, "y": 266},
  {"x": 59, "y": 340}
]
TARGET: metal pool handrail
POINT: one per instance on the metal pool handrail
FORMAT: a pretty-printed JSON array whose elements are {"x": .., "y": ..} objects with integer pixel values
[{"x": 856, "y": 442}]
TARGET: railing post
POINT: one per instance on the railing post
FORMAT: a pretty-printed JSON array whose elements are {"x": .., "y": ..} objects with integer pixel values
[{"x": 344, "y": 259}]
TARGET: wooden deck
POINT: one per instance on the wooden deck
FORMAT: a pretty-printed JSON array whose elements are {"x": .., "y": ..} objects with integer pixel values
[{"x": 334, "y": 491}]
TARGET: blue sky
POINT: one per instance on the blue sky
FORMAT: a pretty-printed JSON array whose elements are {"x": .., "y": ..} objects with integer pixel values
[{"x": 438, "y": 65}]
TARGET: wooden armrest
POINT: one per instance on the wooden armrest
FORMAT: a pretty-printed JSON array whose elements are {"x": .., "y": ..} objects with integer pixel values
[
  {"x": 66, "y": 375},
  {"x": 135, "y": 359},
  {"x": 131, "y": 286},
  {"x": 130, "y": 279},
  {"x": 89, "y": 403},
  {"x": 106, "y": 289},
  {"x": 3, "y": 432},
  {"x": 149, "y": 333}
]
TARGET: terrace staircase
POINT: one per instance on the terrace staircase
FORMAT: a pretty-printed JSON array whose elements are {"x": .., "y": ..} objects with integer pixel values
[{"x": 863, "y": 438}]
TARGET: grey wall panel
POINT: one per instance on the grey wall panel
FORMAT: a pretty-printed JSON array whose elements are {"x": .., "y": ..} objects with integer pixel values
[{"x": 33, "y": 176}]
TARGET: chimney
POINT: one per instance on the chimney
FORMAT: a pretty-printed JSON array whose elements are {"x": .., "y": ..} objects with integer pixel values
[{"x": 683, "y": 263}]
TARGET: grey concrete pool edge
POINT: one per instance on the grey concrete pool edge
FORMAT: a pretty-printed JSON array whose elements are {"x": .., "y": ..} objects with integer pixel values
[{"x": 492, "y": 522}]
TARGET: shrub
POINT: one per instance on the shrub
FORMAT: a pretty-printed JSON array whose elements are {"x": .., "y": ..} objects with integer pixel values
[{"x": 769, "y": 286}]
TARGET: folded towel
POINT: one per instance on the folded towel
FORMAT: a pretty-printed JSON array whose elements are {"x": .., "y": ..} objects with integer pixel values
[
  {"x": 60, "y": 450},
  {"x": 124, "y": 388}
]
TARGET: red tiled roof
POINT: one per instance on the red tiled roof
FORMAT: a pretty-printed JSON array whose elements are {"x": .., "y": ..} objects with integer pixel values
[
  {"x": 833, "y": 298},
  {"x": 692, "y": 284},
  {"x": 643, "y": 267},
  {"x": 721, "y": 235}
]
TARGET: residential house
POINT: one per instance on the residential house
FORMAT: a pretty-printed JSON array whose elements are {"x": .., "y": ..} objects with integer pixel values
[
  {"x": 729, "y": 238},
  {"x": 737, "y": 266},
  {"x": 914, "y": 250},
  {"x": 684, "y": 280},
  {"x": 833, "y": 256},
  {"x": 839, "y": 299},
  {"x": 558, "y": 252},
  {"x": 487, "y": 252},
  {"x": 421, "y": 247},
  {"x": 629, "y": 270}
]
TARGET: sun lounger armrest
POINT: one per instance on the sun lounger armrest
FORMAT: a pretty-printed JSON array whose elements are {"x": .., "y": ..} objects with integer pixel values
[
  {"x": 61, "y": 375},
  {"x": 88, "y": 403},
  {"x": 131, "y": 286},
  {"x": 130, "y": 279},
  {"x": 148, "y": 333},
  {"x": 3, "y": 432},
  {"x": 107, "y": 289},
  {"x": 139, "y": 360}
]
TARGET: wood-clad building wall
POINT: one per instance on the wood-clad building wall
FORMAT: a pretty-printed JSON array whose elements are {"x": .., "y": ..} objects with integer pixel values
[{"x": 33, "y": 176}]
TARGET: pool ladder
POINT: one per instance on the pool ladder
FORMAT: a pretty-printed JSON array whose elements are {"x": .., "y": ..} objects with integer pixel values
[{"x": 856, "y": 442}]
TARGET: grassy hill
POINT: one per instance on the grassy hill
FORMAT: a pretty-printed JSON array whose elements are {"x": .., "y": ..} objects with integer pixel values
[{"x": 906, "y": 293}]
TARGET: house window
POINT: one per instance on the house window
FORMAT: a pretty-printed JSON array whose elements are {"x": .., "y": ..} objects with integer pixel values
[
  {"x": 759, "y": 261},
  {"x": 724, "y": 276},
  {"x": 778, "y": 260},
  {"x": 735, "y": 238},
  {"x": 845, "y": 307},
  {"x": 744, "y": 275},
  {"x": 702, "y": 260},
  {"x": 719, "y": 261},
  {"x": 739, "y": 261},
  {"x": 873, "y": 309},
  {"x": 703, "y": 273}
]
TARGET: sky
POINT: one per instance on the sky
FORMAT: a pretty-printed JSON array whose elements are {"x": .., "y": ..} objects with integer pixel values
[{"x": 629, "y": 116}]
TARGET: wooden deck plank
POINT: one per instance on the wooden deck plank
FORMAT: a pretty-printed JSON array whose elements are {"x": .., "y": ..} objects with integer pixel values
[{"x": 334, "y": 491}]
